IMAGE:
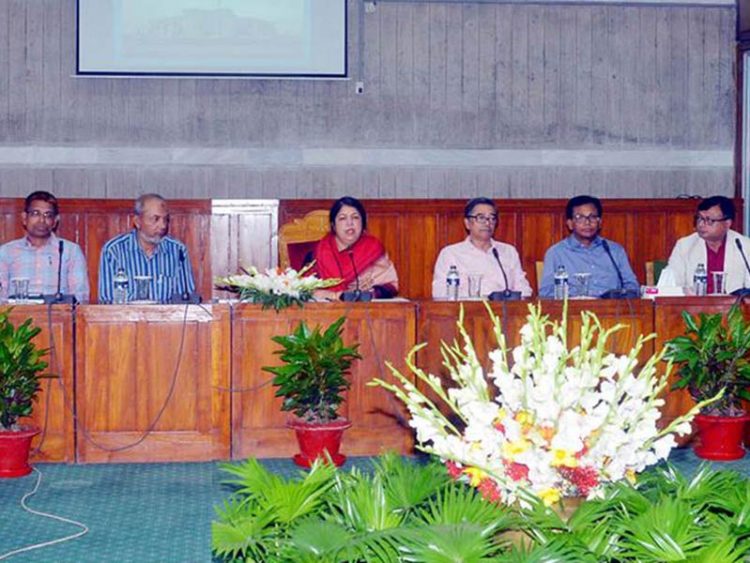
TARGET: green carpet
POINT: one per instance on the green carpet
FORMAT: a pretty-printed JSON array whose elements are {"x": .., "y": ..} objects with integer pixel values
[{"x": 142, "y": 513}]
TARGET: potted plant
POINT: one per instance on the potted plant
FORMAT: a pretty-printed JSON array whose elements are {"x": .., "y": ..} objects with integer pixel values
[
  {"x": 20, "y": 367},
  {"x": 312, "y": 381},
  {"x": 714, "y": 360}
]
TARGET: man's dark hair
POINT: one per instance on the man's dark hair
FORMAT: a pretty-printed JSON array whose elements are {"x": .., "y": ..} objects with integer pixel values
[
  {"x": 579, "y": 200},
  {"x": 726, "y": 205},
  {"x": 41, "y": 196},
  {"x": 351, "y": 202},
  {"x": 478, "y": 201}
]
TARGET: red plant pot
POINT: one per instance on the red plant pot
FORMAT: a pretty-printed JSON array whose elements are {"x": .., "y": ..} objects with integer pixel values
[
  {"x": 316, "y": 439},
  {"x": 14, "y": 452},
  {"x": 720, "y": 437}
]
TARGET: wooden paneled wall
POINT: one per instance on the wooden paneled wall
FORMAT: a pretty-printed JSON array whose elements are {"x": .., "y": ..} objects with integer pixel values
[
  {"x": 91, "y": 223},
  {"x": 414, "y": 231}
]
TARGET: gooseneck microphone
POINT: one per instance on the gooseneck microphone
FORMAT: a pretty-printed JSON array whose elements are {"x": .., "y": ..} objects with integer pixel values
[
  {"x": 621, "y": 282},
  {"x": 620, "y": 292},
  {"x": 507, "y": 294},
  {"x": 58, "y": 294},
  {"x": 357, "y": 294},
  {"x": 743, "y": 291},
  {"x": 183, "y": 275}
]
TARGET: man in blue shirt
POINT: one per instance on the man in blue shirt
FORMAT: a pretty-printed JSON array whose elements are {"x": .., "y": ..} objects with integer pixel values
[
  {"x": 584, "y": 251},
  {"x": 148, "y": 252}
]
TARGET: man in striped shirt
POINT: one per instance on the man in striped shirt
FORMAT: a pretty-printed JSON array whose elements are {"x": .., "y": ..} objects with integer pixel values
[
  {"x": 37, "y": 256},
  {"x": 147, "y": 252}
]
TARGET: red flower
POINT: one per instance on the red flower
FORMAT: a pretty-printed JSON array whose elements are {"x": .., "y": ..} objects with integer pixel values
[
  {"x": 489, "y": 491},
  {"x": 517, "y": 471},
  {"x": 454, "y": 470},
  {"x": 584, "y": 479}
]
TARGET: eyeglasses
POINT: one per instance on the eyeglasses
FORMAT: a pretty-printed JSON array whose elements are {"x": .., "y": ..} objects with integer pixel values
[
  {"x": 46, "y": 215},
  {"x": 581, "y": 219},
  {"x": 710, "y": 221},
  {"x": 484, "y": 219}
]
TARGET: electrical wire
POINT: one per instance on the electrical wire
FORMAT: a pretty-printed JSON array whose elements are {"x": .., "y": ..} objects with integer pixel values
[{"x": 84, "y": 529}]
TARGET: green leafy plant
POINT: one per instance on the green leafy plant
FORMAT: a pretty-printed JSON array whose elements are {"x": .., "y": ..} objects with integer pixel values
[
  {"x": 714, "y": 357},
  {"x": 313, "y": 377},
  {"x": 20, "y": 367},
  {"x": 403, "y": 510}
]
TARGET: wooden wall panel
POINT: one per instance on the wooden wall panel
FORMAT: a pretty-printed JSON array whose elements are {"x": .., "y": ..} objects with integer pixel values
[
  {"x": 152, "y": 383},
  {"x": 53, "y": 410},
  {"x": 385, "y": 331},
  {"x": 414, "y": 231}
]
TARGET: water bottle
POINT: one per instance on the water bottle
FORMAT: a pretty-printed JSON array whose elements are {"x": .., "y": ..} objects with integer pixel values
[
  {"x": 700, "y": 280},
  {"x": 452, "y": 281},
  {"x": 561, "y": 282},
  {"x": 120, "y": 288}
]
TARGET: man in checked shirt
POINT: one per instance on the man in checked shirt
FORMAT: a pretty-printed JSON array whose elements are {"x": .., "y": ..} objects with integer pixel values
[{"x": 36, "y": 256}]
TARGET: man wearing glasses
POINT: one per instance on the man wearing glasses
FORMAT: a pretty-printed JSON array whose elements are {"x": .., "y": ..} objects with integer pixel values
[
  {"x": 713, "y": 244},
  {"x": 480, "y": 255},
  {"x": 585, "y": 252},
  {"x": 36, "y": 256}
]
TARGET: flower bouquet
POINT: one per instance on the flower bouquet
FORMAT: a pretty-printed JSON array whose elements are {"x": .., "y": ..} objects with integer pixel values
[
  {"x": 561, "y": 423},
  {"x": 275, "y": 288}
]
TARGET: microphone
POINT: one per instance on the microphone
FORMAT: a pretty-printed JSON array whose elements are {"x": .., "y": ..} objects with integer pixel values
[
  {"x": 185, "y": 296},
  {"x": 620, "y": 292},
  {"x": 742, "y": 291},
  {"x": 58, "y": 296},
  {"x": 357, "y": 294},
  {"x": 506, "y": 295}
]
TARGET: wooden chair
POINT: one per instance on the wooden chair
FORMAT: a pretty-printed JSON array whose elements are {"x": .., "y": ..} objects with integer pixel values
[
  {"x": 299, "y": 238},
  {"x": 653, "y": 271}
]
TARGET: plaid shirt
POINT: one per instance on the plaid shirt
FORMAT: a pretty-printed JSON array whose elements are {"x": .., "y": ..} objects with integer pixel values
[{"x": 20, "y": 259}]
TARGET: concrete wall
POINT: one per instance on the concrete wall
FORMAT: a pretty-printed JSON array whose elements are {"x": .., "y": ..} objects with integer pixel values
[{"x": 509, "y": 99}]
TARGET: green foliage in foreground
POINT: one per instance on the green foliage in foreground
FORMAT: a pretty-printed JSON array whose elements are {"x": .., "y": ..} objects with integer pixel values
[{"x": 404, "y": 511}]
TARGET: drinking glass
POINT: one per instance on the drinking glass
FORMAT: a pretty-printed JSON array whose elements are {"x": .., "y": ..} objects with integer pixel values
[
  {"x": 142, "y": 287},
  {"x": 475, "y": 285},
  {"x": 582, "y": 283},
  {"x": 20, "y": 288},
  {"x": 720, "y": 283}
]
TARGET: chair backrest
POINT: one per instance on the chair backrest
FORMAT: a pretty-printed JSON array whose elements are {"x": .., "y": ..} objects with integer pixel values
[
  {"x": 539, "y": 271},
  {"x": 299, "y": 238},
  {"x": 653, "y": 271}
]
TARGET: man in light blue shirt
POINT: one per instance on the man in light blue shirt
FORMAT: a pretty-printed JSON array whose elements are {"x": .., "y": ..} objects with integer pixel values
[{"x": 584, "y": 251}]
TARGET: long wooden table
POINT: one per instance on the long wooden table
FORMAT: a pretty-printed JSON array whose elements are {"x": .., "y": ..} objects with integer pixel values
[{"x": 184, "y": 383}]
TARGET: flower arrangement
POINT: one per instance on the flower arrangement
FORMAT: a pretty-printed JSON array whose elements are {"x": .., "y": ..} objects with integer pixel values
[
  {"x": 275, "y": 288},
  {"x": 562, "y": 423}
]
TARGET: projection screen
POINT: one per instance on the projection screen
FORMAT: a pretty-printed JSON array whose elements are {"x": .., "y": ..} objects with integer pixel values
[{"x": 255, "y": 38}]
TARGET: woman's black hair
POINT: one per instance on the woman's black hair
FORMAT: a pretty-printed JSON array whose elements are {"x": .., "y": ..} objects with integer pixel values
[{"x": 351, "y": 202}]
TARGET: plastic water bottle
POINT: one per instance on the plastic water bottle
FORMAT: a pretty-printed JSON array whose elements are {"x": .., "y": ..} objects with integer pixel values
[
  {"x": 561, "y": 282},
  {"x": 700, "y": 280},
  {"x": 120, "y": 288},
  {"x": 452, "y": 281}
]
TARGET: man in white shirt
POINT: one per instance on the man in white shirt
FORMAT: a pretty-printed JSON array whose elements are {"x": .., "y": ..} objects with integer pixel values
[
  {"x": 498, "y": 263},
  {"x": 713, "y": 244}
]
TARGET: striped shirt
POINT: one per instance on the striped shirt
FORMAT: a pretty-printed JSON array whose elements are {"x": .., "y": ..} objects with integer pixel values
[
  {"x": 21, "y": 259},
  {"x": 163, "y": 267}
]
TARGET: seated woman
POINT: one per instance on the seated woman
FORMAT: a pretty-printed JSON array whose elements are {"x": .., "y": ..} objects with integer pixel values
[{"x": 350, "y": 253}]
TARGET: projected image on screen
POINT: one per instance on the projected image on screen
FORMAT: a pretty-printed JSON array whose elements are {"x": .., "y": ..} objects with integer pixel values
[{"x": 212, "y": 37}]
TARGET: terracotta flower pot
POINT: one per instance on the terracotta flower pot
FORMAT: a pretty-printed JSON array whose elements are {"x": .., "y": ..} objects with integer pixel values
[
  {"x": 14, "y": 452},
  {"x": 316, "y": 439},
  {"x": 720, "y": 437}
]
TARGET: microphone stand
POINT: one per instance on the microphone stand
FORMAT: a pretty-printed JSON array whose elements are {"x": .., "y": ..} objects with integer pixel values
[
  {"x": 507, "y": 294},
  {"x": 743, "y": 291},
  {"x": 620, "y": 292},
  {"x": 185, "y": 297},
  {"x": 357, "y": 294},
  {"x": 58, "y": 296}
]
